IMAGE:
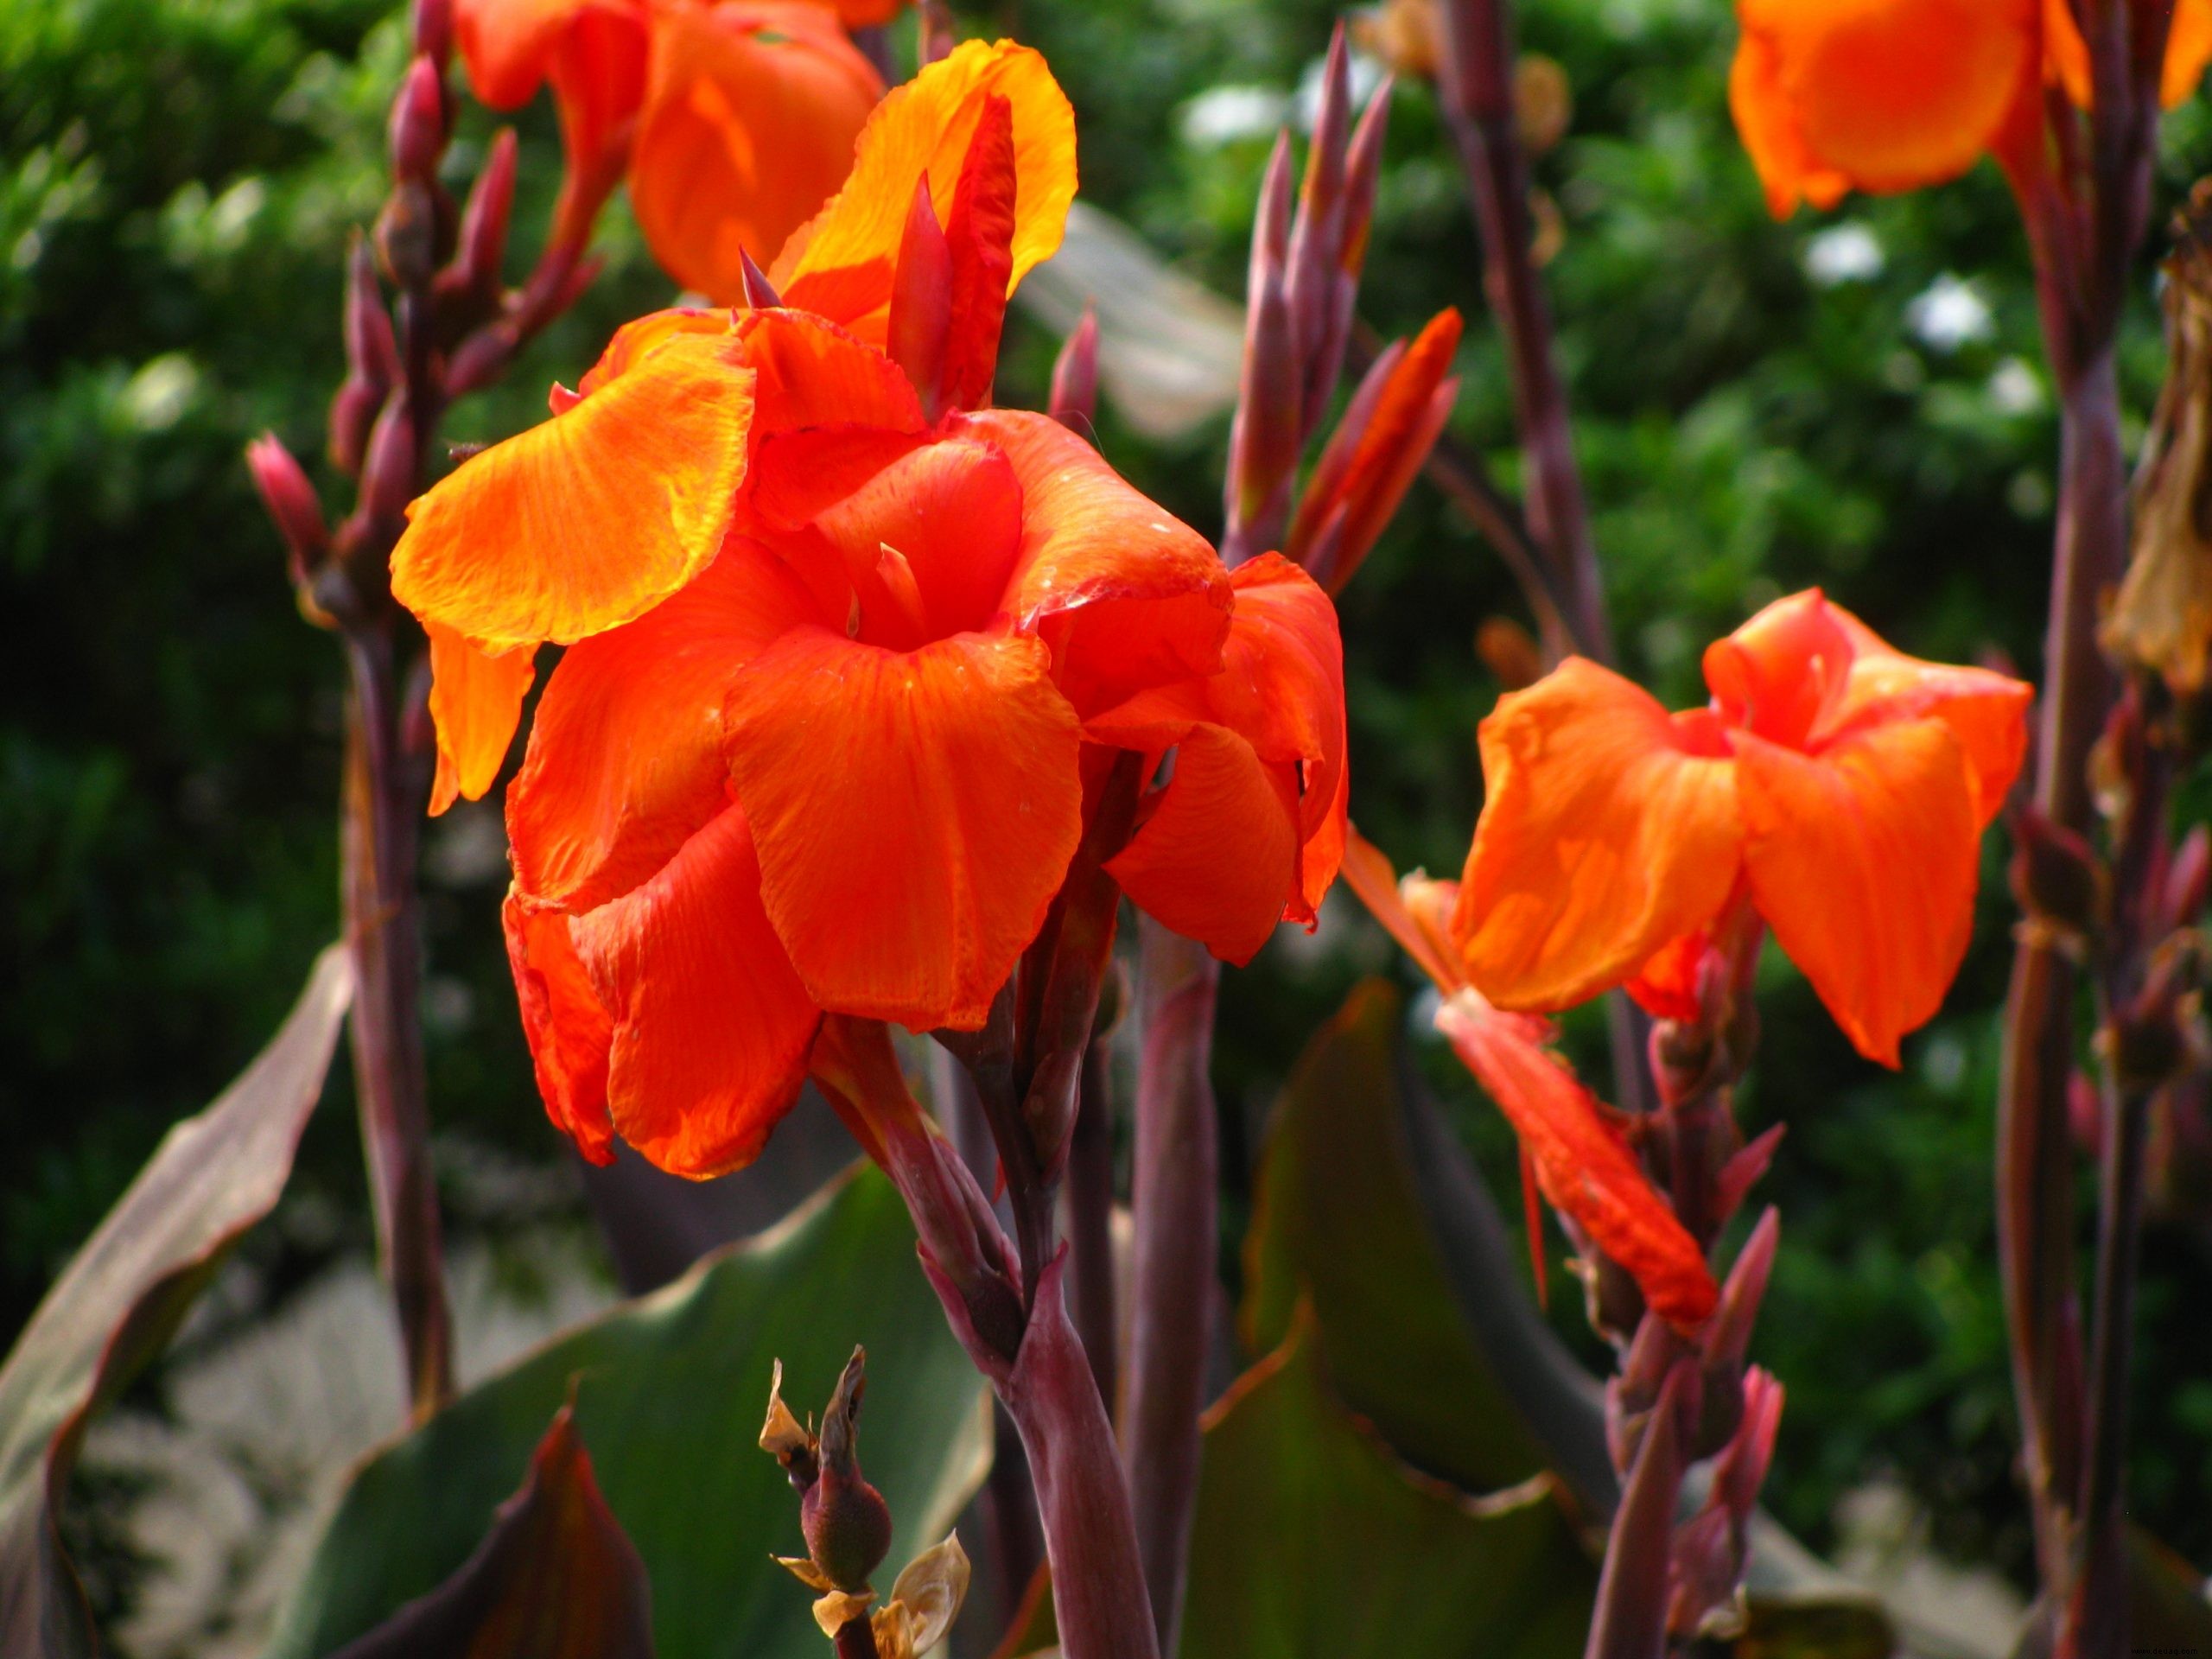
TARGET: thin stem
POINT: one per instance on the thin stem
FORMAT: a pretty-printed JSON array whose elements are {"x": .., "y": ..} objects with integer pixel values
[
  {"x": 1476, "y": 77},
  {"x": 1175, "y": 1202},
  {"x": 378, "y": 854},
  {"x": 1091, "y": 1218}
]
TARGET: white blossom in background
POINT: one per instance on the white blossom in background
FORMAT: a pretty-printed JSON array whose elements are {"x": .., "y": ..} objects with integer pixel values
[
  {"x": 1848, "y": 252},
  {"x": 1223, "y": 115},
  {"x": 1950, "y": 313},
  {"x": 2015, "y": 388}
]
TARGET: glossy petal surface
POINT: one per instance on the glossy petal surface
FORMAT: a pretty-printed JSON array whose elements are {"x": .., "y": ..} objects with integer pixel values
[
  {"x": 915, "y": 812},
  {"x": 567, "y": 1027}
]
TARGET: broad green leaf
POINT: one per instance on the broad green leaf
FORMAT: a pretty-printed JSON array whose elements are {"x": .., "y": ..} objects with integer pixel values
[
  {"x": 1314, "y": 1541},
  {"x": 670, "y": 1391},
  {"x": 554, "y": 1578},
  {"x": 1444, "y": 1353},
  {"x": 115, "y": 1305}
]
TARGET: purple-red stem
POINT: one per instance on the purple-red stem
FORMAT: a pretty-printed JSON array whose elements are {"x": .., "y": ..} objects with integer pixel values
[
  {"x": 1174, "y": 1200},
  {"x": 1089, "y": 1187}
]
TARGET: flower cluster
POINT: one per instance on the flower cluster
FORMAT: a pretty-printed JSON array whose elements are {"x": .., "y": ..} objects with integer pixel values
[{"x": 854, "y": 657}]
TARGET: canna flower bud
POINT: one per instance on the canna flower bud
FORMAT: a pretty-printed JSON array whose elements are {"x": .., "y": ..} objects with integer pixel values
[
  {"x": 390, "y": 470},
  {"x": 1074, "y": 400},
  {"x": 291, "y": 499},
  {"x": 407, "y": 234},
  {"x": 484, "y": 223},
  {"x": 417, "y": 129},
  {"x": 847, "y": 1523},
  {"x": 759, "y": 293}
]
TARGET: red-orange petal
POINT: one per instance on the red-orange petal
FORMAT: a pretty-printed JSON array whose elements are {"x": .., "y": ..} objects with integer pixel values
[
  {"x": 1582, "y": 1161},
  {"x": 626, "y": 756},
  {"x": 1767, "y": 123},
  {"x": 1606, "y": 833},
  {"x": 750, "y": 113},
  {"x": 1864, "y": 861},
  {"x": 1127, "y": 596},
  {"x": 815, "y": 375},
  {"x": 979, "y": 243},
  {"x": 711, "y": 1027},
  {"x": 567, "y": 1027},
  {"x": 915, "y": 812},
  {"x": 507, "y": 46},
  {"x": 839, "y": 265},
  {"x": 588, "y": 520},
  {"x": 1217, "y": 856},
  {"x": 475, "y": 705}
]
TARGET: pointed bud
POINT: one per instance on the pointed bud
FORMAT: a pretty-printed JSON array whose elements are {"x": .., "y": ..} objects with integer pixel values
[
  {"x": 1264, "y": 438},
  {"x": 1630, "y": 1614},
  {"x": 1728, "y": 1338},
  {"x": 2188, "y": 875},
  {"x": 1743, "y": 1170},
  {"x": 371, "y": 353},
  {"x": 390, "y": 470},
  {"x": 1074, "y": 400},
  {"x": 483, "y": 224},
  {"x": 2057, "y": 878},
  {"x": 416, "y": 130},
  {"x": 291, "y": 499},
  {"x": 759, "y": 293},
  {"x": 921, "y": 300},
  {"x": 847, "y": 1523}
]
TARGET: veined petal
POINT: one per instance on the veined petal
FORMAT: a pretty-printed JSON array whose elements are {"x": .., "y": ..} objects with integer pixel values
[
  {"x": 567, "y": 1027},
  {"x": 839, "y": 265},
  {"x": 812, "y": 373},
  {"x": 626, "y": 759},
  {"x": 1889, "y": 94},
  {"x": 1217, "y": 856},
  {"x": 1582, "y": 1162},
  {"x": 1609, "y": 830},
  {"x": 475, "y": 705},
  {"x": 588, "y": 520},
  {"x": 1863, "y": 861},
  {"x": 751, "y": 110},
  {"x": 915, "y": 811},
  {"x": 711, "y": 1027},
  {"x": 1127, "y": 595}
]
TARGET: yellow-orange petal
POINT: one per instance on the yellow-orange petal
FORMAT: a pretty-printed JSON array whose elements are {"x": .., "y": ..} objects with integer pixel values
[
  {"x": 751, "y": 109},
  {"x": 564, "y": 1023},
  {"x": 915, "y": 812},
  {"x": 1864, "y": 860},
  {"x": 588, "y": 520},
  {"x": 1127, "y": 595},
  {"x": 839, "y": 265},
  {"x": 2189, "y": 49},
  {"x": 475, "y": 705},
  {"x": 711, "y": 1027},
  {"x": 625, "y": 755},
  {"x": 1581, "y": 1161},
  {"x": 1889, "y": 94},
  {"x": 1606, "y": 834}
]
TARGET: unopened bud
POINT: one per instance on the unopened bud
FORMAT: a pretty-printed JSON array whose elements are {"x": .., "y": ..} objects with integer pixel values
[
  {"x": 290, "y": 499},
  {"x": 371, "y": 353},
  {"x": 847, "y": 1523},
  {"x": 407, "y": 234},
  {"x": 1074, "y": 401},
  {"x": 759, "y": 293},
  {"x": 417, "y": 127},
  {"x": 390, "y": 468},
  {"x": 352, "y": 412},
  {"x": 484, "y": 223},
  {"x": 2187, "y": 877},
  {"x": 2057, "y": 878}
]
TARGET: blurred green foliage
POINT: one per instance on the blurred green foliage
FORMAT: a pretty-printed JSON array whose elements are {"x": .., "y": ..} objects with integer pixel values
[{"x": 1855, "y": 400}]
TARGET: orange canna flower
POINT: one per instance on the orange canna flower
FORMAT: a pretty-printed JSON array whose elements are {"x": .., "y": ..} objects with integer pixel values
[
  {"x": 1837, "y": 785},
  {"x": 1831, "y": 96},
  {"x": 1574, "y": 1148},
  {"x": 845, "y": 656},
  {"x": 733, "y": 119}
]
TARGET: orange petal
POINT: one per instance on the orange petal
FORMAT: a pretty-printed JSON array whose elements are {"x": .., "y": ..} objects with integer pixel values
[
  {"x": 1780, "y": 673},
  {"x": 915, "y": 812},
  {"x": 1767, "y": 121},
  {"x": 750, "y": 114},
  {"x": 813, "y": 374},
  {"x": 625, "y": 755},
  {"x": 1863, "y": 861},
  {"x": 863, "y": 14},
  {"x": 568, "y": 1029},
  {"x": 1582, "y": 1161},
  {"x": 1610, "y": 829},
  {"x": 1416, "y": 926},
  {"x": 598, "y": 72},
  {"x": 839, "y": 265},
  {"x": 508, "y": 44},
  {"x": 1666, "y": 987},
  {"x": 638, "y": 338},
  {"x": 1889, "y": 94},
  {"x": 475, "y": 705},
  {"x": 2188, "y": 48},
  {"x": 1127, "y": 595},
  {"x": 1217, "y": 856},
  {"x": 1985, "y": 711},
  {"x": 589, "y": 519},
  {"x": 711, "y": 1026}
]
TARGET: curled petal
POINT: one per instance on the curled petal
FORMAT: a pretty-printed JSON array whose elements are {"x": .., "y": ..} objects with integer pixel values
[
  {"x": 750, "y": 113},
  {"x": 1863, "y": 860},
  {"x": 915, "y": 811},
  {"x": 839, "y": 265},
  {"x": 1415, "y": 912},
  {"x": 1582, "y": 1162},
  {"x": 589, "y": 519},
  {"x": 507, "y": 46},
  {"x": 475, "y": 705},
  {"x": 1780, "y": 673},
  {"x": 1127, "y": 595},
  {"x": 1610, "y": 829},
  {"x": 626, "y": 756},
  {"x": 566, "y": 1025},
  {"x": 813, "y": 374},
  {"x": 711, "y": 1027}
]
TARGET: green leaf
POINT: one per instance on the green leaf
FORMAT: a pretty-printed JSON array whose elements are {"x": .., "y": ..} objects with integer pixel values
[
  {"x": 554, "y": 1578},
  {"x": 115, "y": 1305},
  {"x": 1441, "y": 1349},
  {"x": 671, "y": 1393},
  {"x": 1313, "y": 1541}
]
